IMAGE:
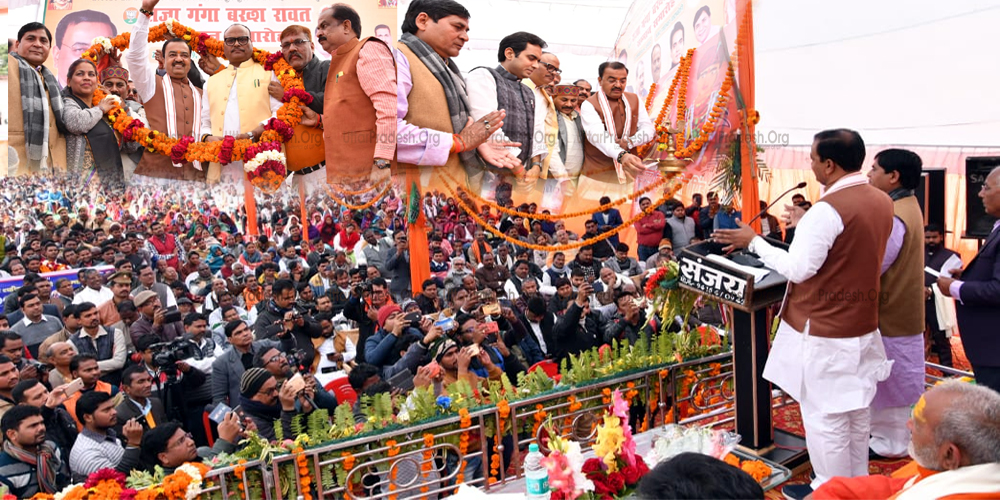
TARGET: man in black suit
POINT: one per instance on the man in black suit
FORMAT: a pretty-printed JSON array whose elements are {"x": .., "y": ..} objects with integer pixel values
[
  {"x": 977, "y": 296},
  {"x": 138, "y": 402}
]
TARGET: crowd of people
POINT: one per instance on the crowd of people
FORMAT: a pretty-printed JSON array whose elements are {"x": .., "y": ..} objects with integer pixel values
[{"x": 136, "y": 304}]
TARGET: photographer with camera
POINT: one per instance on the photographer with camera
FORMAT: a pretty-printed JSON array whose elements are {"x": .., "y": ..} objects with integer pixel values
[
  {"x": 238, "y": 357},
  {"x": 12, "y": 346},
  {"x": 154, "y": 319},
  {"x": 182, "y": 388},
  {"x": 398, "y": 262},
  {"x": 281, "y": 315},
  {"x": 262, "y": 401},
  {"x": 282, "y": 367},
  {"x": 366, "y": 300}
]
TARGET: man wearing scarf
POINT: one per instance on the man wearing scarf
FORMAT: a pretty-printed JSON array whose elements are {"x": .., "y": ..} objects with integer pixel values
[
  {"x": 172, "y": 102},
  {"x": 29, "y": 464},
  {"x": 36, "y": 128},
  {"x": 434, "y": 116},
  {"x": 616, "y": 124}
]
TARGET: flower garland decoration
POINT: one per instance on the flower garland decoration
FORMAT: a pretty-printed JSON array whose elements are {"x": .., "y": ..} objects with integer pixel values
[
  {"x": 465, "y": 422},
  {"x": 186, "y": 149},
  {"x": 708, "y": 126},
  {"x": 569, "y": 246},
  {"x": 392, "y": 452},
  {"x": 425, "y": 465},
  {"x": 663, "y": 136},
  {"x": 617, "y": 468},
  {"x": 184, "y": 484},
  {"x": 649, "y": 97},
  {"x": 682, "y": 101},
  {"x": 305, "y": 479},
  {"x": 540, "y": 416},
  {"x": 554, "y": 217},
  {"x": 105, "y": 484},
  {"x": 565, "y": 467},
  {"x": 239, "y": 471},
  {"x": 378, "y": 197},
  {"x": 349, "y": 461},
  {"x": 503, "y": 412}
]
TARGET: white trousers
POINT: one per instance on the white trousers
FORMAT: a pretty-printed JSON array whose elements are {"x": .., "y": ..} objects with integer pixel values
[
  {"x": 837, "y": 443},
  {"x": 890, "y": 436}
]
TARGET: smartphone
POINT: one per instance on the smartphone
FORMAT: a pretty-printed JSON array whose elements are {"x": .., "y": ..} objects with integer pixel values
[
  {"x": 297, "y": 383},
  {"x": 74, "y": 387},
  {"x": 491, "y": 309},
  {"x": 473, "y": 349},
  {"x": 219, "y": 413},
  {"x": 491, "y": 327},
  {"x": 412, "y": 318},
  {"x": 435, "y": 369},
  {"x": 402, "y": 380}
]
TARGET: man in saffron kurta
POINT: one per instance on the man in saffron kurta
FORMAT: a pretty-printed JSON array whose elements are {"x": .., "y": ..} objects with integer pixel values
[
  {"x": 305, "y": 152},
  {"x": 901, "y": 313},
  {"x": 172, "y": 103},
  {"x": 235, "y": 101},
  {"x": 360, "y": 126},
  {"x": 952, "y": 461}
]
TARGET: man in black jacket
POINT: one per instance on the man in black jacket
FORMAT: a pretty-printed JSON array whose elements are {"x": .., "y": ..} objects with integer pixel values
[
  {"x": 282, "y": 315},
  {"x": 577, "y": 330},
  {"x": 363, "y": 310},
  {"x": 628, "y": 323}
]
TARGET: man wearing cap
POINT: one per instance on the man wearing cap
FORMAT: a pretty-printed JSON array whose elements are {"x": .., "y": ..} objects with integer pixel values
[
  {"x": 229, "y": 367},
  {"x": 114, "y": 79},
  {"x": 566, "y": 159},
  {"x": 151, "y": 319},
  {"x": 664, "y": 253},
  {"x": 260, "y": 398},
  {"x": 121, "y": 284}
]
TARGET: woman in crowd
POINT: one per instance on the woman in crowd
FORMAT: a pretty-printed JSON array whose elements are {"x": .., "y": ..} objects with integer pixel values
[{"x": 92, "y": 146}]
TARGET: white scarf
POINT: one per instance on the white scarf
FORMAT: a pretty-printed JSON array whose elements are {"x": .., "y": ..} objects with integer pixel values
[
  {"x": 168, "y": 101},
  {"x": 609, "y": 123},
  {"x": 984, "y": 478}
]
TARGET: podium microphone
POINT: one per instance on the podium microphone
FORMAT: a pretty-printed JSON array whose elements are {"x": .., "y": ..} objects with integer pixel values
[{"x": 762, "y": 212}]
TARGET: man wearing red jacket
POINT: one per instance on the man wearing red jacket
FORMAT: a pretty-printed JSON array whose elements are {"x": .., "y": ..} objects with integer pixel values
[
  {"x": 165, "y": 247},
  {"x": 649, "y": 230}
]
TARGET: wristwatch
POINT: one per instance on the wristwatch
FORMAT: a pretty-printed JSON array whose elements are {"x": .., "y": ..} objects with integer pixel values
[
  {"x": 383, "y": 164},
  {"x": 250, "y": 133}
]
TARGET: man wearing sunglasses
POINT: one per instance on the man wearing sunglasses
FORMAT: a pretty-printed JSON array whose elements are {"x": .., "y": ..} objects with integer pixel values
[{"x": 235, "y": 101}]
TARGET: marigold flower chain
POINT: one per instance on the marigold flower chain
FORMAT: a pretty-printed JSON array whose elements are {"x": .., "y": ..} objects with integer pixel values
[{"x": 371, "y": 203}]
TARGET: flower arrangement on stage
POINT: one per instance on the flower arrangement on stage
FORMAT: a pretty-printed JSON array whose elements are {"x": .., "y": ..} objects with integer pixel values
[
  {"x": 617, "y": 469},
  {"x": 108, "y": 484},
  {"x": 565, "y": 466},
  {"x": 268, "y": 174}
]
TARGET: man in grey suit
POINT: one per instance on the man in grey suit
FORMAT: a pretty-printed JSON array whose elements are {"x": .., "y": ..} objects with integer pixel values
[{"x": 237, "y": 358}]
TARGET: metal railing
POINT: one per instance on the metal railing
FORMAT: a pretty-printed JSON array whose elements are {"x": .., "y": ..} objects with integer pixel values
[{"x": 414, "y": 472}]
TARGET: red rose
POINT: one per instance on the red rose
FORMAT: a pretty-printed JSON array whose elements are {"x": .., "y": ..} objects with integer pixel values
[
  {"x": 593, "y": 465},
  {"x": 603, "y": 487},
  {"x": 616, "y": 481},
  {"x": 641, "y": 465},
  {"x": 631, "y": 475}
]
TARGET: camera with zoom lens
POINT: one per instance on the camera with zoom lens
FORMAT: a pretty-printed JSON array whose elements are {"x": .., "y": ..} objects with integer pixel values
[
  {"x": 362, "y": 288},
  {"x": 167, "y": 354}
]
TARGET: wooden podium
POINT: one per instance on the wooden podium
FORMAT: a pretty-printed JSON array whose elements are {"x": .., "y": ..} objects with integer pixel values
[{"x": 703, "y": 269}]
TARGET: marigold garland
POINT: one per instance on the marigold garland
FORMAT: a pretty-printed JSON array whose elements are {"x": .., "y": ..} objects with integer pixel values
[
  {"x": 569, "y": 246},
  {"x": 348, "y": 192},
  {"x": 288, "y": 116},
  {"x": 649, "y": 97},
  {"x": 503, "y": 412},
  {"x": 709, "y": 125},
  {"x": 378, "y": 197},
  {"x": 425, "y": 465},
  {"x": 305, "y": 479}
]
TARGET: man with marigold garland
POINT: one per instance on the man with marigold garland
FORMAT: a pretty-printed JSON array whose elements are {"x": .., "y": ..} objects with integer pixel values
[
  {"x": 236, "y": 101},
  {"x": 172, "y": 102}
]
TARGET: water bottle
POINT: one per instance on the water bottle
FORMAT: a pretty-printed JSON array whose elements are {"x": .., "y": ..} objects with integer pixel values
[{"x": 536, "y": 476}]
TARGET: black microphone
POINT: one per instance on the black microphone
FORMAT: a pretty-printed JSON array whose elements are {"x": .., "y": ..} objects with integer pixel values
[{"x": 762, "y": 212}]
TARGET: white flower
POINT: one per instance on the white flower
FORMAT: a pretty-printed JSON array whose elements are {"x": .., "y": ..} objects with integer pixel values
[
  {"x": 104, "y": 42},
  {"x": 263, "y": 157},
  {"x": 114, "y": 98},
  {"x": 191, "y": 471}
]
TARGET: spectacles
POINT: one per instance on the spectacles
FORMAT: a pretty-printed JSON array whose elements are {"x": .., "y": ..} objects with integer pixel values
[
  {"x": 301, "y": 42},
  {"x": 551, "y": 68},
  {"x": 186, "y": 436},
  {"x": 77, "y": 48},
  {"x": 270, "y": 392},
  {"x": 238, "y": 40},
  {"x": 276, "y": 357}
]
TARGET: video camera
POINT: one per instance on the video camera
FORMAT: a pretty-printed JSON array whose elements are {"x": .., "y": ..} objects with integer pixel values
[
  {"x": 362, "y": 288},
  {"x": 167, "y": 354}
]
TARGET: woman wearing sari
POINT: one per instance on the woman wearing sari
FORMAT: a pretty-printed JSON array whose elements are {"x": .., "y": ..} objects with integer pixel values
[
  {"x": 92, "y": 146},
  {"x": 328, "y": 230}
]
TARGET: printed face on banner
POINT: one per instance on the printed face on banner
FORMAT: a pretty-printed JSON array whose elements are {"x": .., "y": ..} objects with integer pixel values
[{"x": 82, "y": 20}]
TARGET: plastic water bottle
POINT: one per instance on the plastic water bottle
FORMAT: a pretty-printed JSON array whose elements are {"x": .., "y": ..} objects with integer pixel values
[{"x": 536, "y": 476}]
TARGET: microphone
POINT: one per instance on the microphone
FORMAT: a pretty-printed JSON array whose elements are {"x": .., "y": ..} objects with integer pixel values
[{"x": 797, "y": 186}]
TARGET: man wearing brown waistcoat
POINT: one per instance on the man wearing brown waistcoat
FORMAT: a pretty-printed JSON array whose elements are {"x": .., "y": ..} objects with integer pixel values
[
  {"x": 896, "y": 172},
  {"x": 828, "y": 354}
]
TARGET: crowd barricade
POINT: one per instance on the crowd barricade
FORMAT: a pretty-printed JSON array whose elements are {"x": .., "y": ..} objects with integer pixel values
[{"x": 400, "y": 462}]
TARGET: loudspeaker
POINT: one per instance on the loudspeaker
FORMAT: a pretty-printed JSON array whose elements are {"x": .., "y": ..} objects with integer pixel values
[
  {"x": 930, "y": 195},
  {"x": 978, "y": 224}
]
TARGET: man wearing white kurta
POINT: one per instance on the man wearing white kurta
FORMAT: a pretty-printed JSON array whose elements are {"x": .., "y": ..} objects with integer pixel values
[
  {"x": 828, "y": 353},
  {"x": 245, "y": 111}
]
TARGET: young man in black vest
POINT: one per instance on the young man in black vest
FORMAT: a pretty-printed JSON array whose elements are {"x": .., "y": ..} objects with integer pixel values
[{"x": 943, "y": 261}]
